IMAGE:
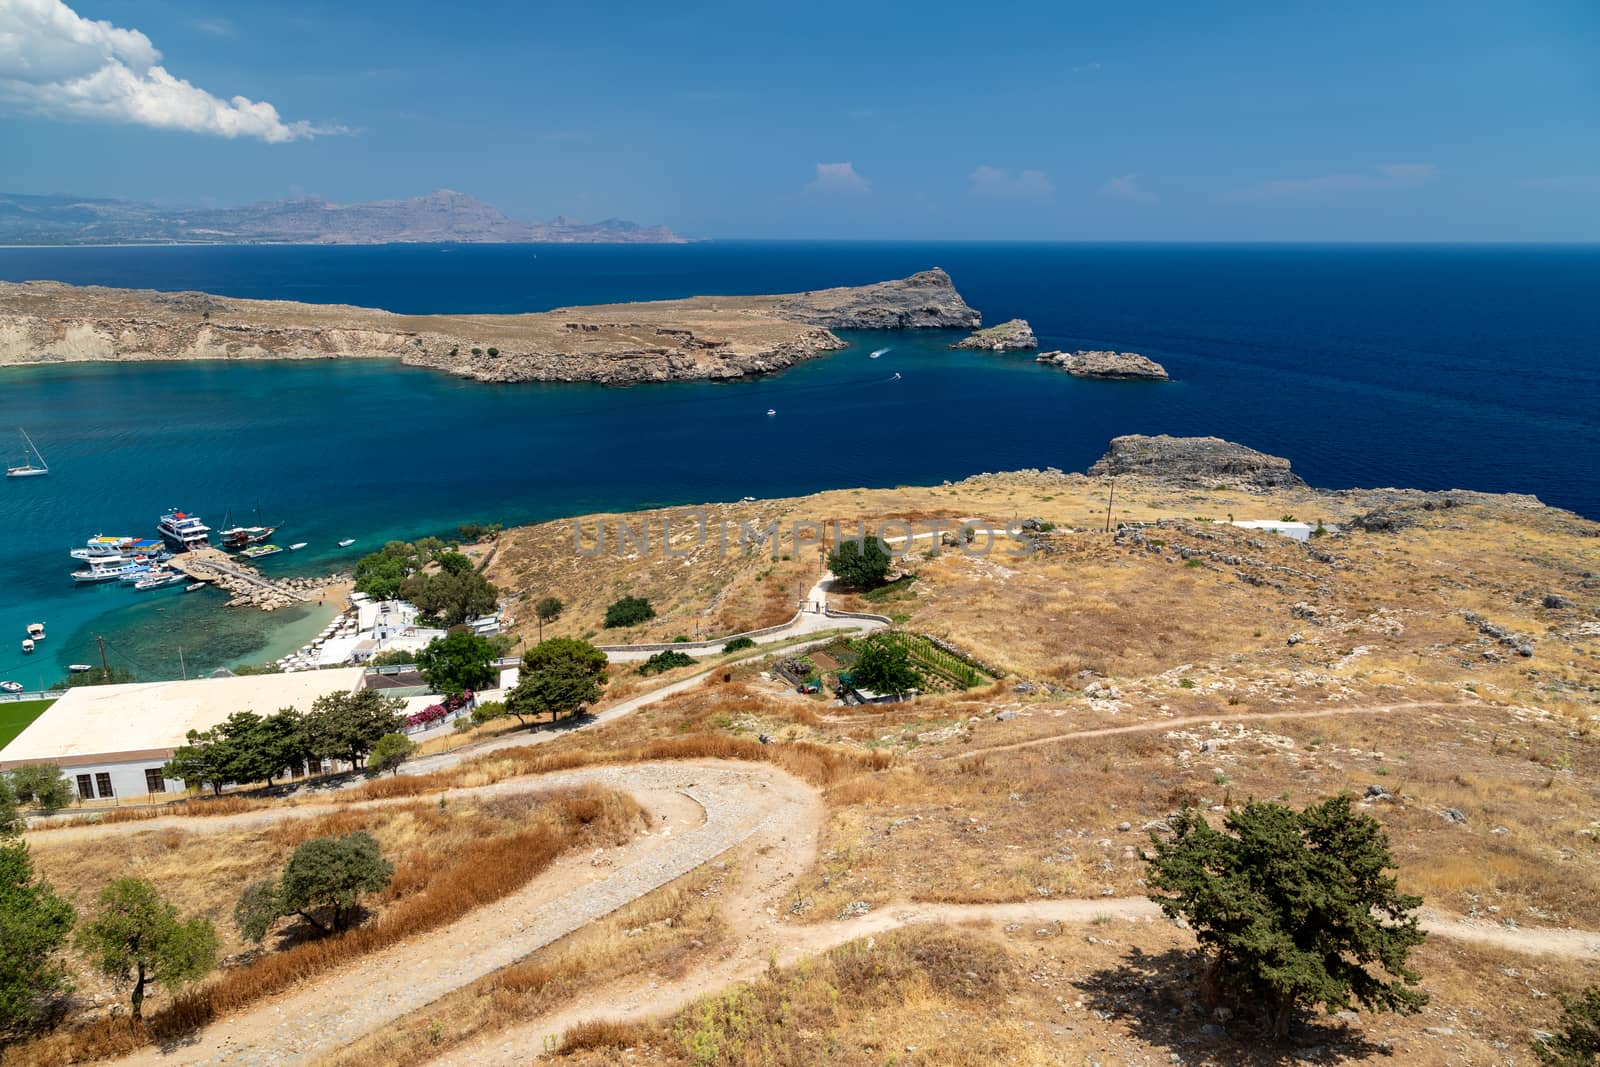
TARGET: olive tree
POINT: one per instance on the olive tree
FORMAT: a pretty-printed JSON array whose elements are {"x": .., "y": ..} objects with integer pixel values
[{"x": 137, "y": 936}]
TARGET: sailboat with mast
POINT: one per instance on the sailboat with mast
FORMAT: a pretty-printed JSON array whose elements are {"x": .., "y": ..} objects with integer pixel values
[{"x": 28, "y": 469}]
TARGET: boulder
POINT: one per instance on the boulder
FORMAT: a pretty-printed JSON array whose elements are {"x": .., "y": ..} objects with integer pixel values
[
  {"x": 1116, "y": 365},
  {"x": 1013, "y": 336}
]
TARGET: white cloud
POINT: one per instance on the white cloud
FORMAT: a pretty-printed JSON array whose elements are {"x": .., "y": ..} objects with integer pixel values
[
  {"x": 1126, "y": 187},
  {"x": 55, "y": 63},
  {"x": 1384, "y": 176},
  {"x": 838, "y": 178},
  {"x": 1001, "y": 184}
]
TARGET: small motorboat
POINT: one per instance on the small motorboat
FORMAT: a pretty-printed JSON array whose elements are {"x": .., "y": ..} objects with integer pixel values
[
  {"x": 11, "y": 687},
  {"x": 27, "y": 646},
  {"x": 257, "y": 551},
  {"x": 297, "y": 546},
  {"x": 192, "y": 588},
  {"x": 772, "y": 411},
  {"x": 156, "y": 581},
  {"x": 36, "y": 631},
  {"x": 877, "y": 353},
  {"x": 79, "y": 668},
  {"x": 347, "y": 542}
]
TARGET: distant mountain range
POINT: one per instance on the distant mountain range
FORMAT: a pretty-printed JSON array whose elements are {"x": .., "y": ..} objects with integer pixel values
[{"x": 441, "y": 216}]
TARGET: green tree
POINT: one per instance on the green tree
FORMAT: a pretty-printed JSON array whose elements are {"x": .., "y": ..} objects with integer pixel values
[
  {"x": 487, "y": 711},
  {"x": 381, "y": 573},
  {"x": 548, "y": 609},
  {"x": 137, "y": 935},
  {"x": 389, "y": 752},
  {"x": 862, "y": 563},
  {"x": 346, "y": 725},
  {"x": 739, "y": 644},
  {"x": 35, "y": 923},
  {"x": 454, "y": 563},
  {"x": 883, "y": 667},
  {"x": 558, "y": 677},
  {"x": 1293, "y": 906},
  {"x": 454, "y": 598},
  {"x": 205, "y": 761},
  {"x": 458, "y": 662},
  {"x": 41, "y": 784},
  {"x": 328, "y": 875},
  {"x": 629, "y": 611},
  {"x": 1578, "y": 1042},
  {"x": 395, "y": 657}
]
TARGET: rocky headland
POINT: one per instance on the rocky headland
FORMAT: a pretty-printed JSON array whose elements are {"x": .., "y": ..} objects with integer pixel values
[
  {"x": 695, "y": 338},
  {"x": 1200, "y": 462},
  {"x": 1115, "y": 365},
  {"x": 1012, "y": 336}
]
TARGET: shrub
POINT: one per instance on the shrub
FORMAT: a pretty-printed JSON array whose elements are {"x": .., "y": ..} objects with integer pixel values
[
  {"x": 1578, "y": 1043},
  {"x": 666, "y": 661},
  {"x": 390, "y": 751},
  {"x": 629, "y": 611},
  {"x": 739, "y": 644}
]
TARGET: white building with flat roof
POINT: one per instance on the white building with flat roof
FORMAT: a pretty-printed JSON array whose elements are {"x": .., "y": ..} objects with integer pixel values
[{"x": 112, "y": 740}]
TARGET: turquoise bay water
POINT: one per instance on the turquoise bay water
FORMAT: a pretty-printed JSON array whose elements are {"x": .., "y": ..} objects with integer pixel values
[{"x": 1436, "y": 368}]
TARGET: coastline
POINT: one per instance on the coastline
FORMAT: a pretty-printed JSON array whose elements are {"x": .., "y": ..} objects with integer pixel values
[{"x": 702, "y": 337}]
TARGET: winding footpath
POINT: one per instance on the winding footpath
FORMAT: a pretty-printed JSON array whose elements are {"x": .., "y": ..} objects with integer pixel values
[{"x": 700, "y": 811}]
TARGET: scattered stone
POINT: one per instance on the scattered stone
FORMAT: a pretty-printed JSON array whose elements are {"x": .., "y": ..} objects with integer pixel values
[
  {"x": 1454, "y": 815},
  {"x": 855, "y": 909}
]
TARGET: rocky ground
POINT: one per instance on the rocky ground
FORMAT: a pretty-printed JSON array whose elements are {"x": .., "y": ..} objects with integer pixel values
[{"x": 698, "y": 337}]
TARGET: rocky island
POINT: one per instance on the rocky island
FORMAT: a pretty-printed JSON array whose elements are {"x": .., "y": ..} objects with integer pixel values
[
  {"x": 701, "y": 337},
  {"x": 1012, "y": 336},
  {"x": 1116, "y": 365}
]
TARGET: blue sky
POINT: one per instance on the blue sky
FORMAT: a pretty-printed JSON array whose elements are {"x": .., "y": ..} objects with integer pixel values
[{"x": 1451, "y": 121}]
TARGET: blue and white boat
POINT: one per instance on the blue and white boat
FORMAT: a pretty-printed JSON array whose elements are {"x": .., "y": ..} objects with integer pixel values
[
  {"x": 108, "y": 572},
  {"x": 183, "y": 532}
]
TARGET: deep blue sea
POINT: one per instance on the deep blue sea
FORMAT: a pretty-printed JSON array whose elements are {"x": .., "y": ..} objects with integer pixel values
[{"x": 1432, "y": 367}]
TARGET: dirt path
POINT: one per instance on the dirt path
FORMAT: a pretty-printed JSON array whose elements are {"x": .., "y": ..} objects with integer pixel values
[
  {"x": 761, "y": 939},
  {"x": 1202, "y": 720},
  {"x": 702, "y": 811}
]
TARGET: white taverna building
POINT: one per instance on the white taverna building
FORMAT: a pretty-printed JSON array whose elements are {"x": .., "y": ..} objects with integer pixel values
[{"x": 112, "y": 740}]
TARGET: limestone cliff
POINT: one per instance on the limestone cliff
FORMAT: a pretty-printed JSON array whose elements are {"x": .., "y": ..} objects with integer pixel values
[{"x": 697, "y": 337}]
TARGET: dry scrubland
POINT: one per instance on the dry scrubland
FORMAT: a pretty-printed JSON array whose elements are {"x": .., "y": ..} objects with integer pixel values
[
  {"x": 1247, "y": 666},
  {"x": 1202, "y": 665}
]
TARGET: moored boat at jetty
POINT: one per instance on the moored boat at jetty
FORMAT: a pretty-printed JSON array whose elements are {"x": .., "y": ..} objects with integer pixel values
[
  {"x": 102, "y": 547},
  {"x": 257, "y": 551},
  {"x": 183, "y": 531},
  {"x": 108, "y": 572},
  {"x": 157, "y": 580}
]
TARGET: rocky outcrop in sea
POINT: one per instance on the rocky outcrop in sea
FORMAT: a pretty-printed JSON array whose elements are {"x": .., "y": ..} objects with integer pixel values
[
  {"x": 1200, "y": 462},
  {"x": 1118, "y": 365},
  {"x": 1012, "y": 336}
]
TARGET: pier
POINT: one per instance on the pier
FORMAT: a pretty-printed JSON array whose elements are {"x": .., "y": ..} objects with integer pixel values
[{"x": 247, "y": 586}]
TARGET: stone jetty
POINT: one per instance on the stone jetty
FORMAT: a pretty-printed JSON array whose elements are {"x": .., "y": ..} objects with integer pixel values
[{"x": 249, "y": 588}]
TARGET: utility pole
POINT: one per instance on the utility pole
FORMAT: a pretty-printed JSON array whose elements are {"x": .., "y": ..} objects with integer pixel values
[
  {"x": 1111, "y": 499},
  {"x": 105, "y": 671}
]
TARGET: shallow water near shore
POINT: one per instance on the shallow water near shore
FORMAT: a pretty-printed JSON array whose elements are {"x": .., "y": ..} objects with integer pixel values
[{"x": 1435, "y": 368}]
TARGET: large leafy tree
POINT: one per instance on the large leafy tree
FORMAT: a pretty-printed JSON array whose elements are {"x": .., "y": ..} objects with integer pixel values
[
  {"x": 137, "y": 936},
  {"x": 322, "y": 883},
  {"x": 383, "y": 572},
  {"x": 559, "y": 677},
  {"x": 204, "y": 761},
  {"x": 628, "y": 611},
  {"x": 346, "y": 725},
  {"x": 883, "y": 667},
  {"x": 42, "y": 784},
  {"x": 1578, "y": 1042},
  {"x": 862, "y": 563},
  {"x": 454, "y": 597},
  {"x": 458, "y": 662},
  {"x": 35, "y": 923},
  {"x": 1296, "y": 907}
]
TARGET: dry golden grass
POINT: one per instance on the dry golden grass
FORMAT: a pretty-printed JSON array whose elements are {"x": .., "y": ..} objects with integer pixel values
[
  {"x": 1114, "y": 991},
  {"x": 446, "y": 864}
]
